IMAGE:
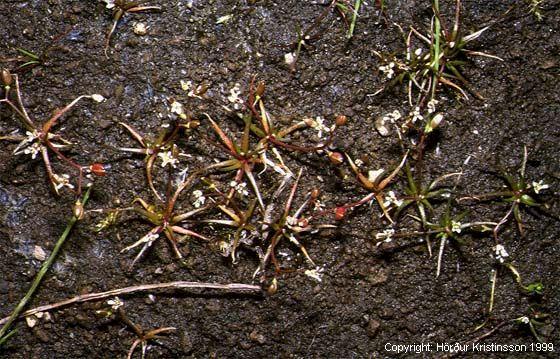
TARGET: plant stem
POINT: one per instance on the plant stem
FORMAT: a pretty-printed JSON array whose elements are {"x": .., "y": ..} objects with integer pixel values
[
  {"x": 436, "y": 48},
  {"x": 39, "y": 277},
  {"x": 232, "y": 288},
  {"x": 357, "y": 6}
]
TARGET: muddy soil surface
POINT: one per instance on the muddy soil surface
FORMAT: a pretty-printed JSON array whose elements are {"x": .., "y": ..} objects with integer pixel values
[{"x": 369, "y": 295}]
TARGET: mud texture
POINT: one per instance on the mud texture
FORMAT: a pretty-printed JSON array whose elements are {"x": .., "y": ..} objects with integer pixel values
[{"x": 369, "y": 295}]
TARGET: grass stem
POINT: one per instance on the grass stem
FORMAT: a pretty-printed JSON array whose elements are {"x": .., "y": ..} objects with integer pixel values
[{"x": 39, "y": 277}]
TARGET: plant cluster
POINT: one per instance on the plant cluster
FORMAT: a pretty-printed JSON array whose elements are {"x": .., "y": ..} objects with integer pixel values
[
  {"x": 246, "y": 197},
  {"x": 41, "y": 140},
  {"x": 436, "y": 59},
  {"x": 226, "y": 190}
]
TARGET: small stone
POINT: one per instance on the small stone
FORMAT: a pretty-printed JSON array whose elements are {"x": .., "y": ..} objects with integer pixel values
[
  {"x": 257, "y": 337},
  {"x": 244, "y": 345},
  {"x": 140, "y": 28},
  {"x": 41, "y": 334},
  {"x": 378, "y": 276},
  {"x": 386, "y": 313},
  {"x": 381, "y": 127},
  {"x": 372, "y": 328},
  {"x": 4, "y": 286},
  {"x": 39, "y": 253},
  {"x": 31, "y": 321}
]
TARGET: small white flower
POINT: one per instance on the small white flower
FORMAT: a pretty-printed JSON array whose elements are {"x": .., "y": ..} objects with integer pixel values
[
  {"x": 380, "y": 124},
  {"x": 186, "y": 85},
  {"x": 234, "y": 96},
  {"x": 109, "y": 4},
  {"x": 199, "y": 199},
  {"x": 316, "y": 273},
  {"x": 416, "y": 116},
  {"x": 190, "y": 88},
  {"x": 381, "y": 127},
  {"x": 225, "y": 248},
  {"x": 391, "y": 199},
  {"x": 418, "y": 52},
  {"x": 62, "y": 181},
  {"x": 501, "y": 253},
  {"x": 386, "y": 235},
  {"x": 291, "y": 221},
  {"x": 524, "y": 320},
  {"x": 240, "y": 188},
  {"x": 33, "y": 150},
  {"x": 31, "y": 321},
  {"x": 539, "y": 186},
  {"x": 29, "y": 145},
  {"x": 388, "y": 70},
  {"x": 318, "y": 205},
  {"x": 455, "y": 227},
  {"x": 177, "y": 108},
  {"x": 181, "y": 176},
  {"x": 115, "y": 303},
  {"x": 289, "y": 58},
  {"x": 139, "y": 28},
  {"x": 167, "y": 158},
  {"x": 318, "y": 124},
  {"x": 432, "y": 105},
  {"x": 97, "y": 98}
]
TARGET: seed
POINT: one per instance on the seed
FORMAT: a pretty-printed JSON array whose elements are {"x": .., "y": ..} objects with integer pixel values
[
  {"x": 98, "y": 169},
  {"x": 273, "y": 287},
  {"x": 6, "y": 78},
  {"x": 260, "y": 89},
  {"x": 341, "y": 120},
  {"x": 315, "y": 193},
  {"x": 78, "y": 210},
  {"x": 336, "y": 158},
  {"x": 339, "y": 213}
]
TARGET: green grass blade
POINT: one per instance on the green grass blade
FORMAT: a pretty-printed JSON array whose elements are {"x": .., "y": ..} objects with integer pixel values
[{"x": 39, "y": 277}]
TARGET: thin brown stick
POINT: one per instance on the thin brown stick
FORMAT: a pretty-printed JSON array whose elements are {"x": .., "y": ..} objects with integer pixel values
[{"x": 233, "y": 287}]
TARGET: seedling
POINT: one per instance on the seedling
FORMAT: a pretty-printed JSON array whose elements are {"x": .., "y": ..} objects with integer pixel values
[
  {"x": 121, "y": 8},
  {"x": 165, "y": 220},
  {"x": 41, "y": 139},
  {"x": 116, "y": 306},
  {"x": 271, "y": 137},
  {"x": 518, "y": 192},
  {"x": 447, "y": 229},
  {"x": 77, "y": 216},
  {"x": 238, "y": 219},
  {"x": 27, "y": 60},
  {"x": 420, "y": 195},
  {"x": 533, "y": 321},
  {"x": 375, "y": 184},
  {"x": 243, "y": 158},
  {"x": 440, "y": 64},
  {"x": 290, "y": 226},
  {"x": 535, "y": 288},
  {"x": 535, "y": 8},
  {"x": 345, "y": 9},
  {"x": 306, "y": 36},
  {"x": 163, "y": 146}
]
